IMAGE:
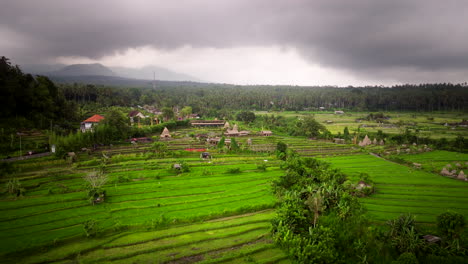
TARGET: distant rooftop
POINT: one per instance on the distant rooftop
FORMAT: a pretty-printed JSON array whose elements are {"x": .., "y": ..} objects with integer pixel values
[{"x": 94, "y": 119}]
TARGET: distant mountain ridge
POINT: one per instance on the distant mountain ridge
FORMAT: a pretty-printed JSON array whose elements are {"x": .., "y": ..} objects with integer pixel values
[
  {"x": 84, "y": 70},
  {"x": 97, "y": 69},
  {"x": 147, "y": 72}
]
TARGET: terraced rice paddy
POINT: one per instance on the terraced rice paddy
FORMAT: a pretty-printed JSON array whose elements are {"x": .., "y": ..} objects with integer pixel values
[
  {"x": 211, "y": 214},
  {"x": 225, "y": 240},
  {"x": 434, "y": 161},
  {"x": 401, "y": 189},
  {"x": 163, "y": 215},
  {"x": 428, "y": 124}
]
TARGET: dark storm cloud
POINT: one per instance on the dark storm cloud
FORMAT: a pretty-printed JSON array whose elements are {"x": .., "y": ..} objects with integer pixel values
[{"x": 364, "y": 36}]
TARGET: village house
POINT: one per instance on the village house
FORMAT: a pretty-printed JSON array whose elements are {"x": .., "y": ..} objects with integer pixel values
[
  {"x": 88, "y": 124},
  {"x": 339, "y": 112},
  {"x": 135, "y": 115}
]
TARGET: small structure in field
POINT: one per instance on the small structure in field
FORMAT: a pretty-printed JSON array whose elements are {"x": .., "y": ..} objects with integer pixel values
[
  {"x": 381, "y": 142},
  {"x": 339, "y": 112},
  {"x": 445, "y": 172},
  {"x": 338, "y": 140},
  {"x": 361, "y": 185},
  {"x": 375, "y": 141},
  {"x": 232, "y": 132},
  {"x": 417, "y": 165},
  {"x": 71, "y": 156},
  {"x": 266, "y": 133},
  {"x": 461, "y": 176},
  {"x": 365, "y": 142},
  {"x": 321, "y": 108},
  {"x": 99, "y": 197},
  {"x": 165, "y": 133},
  {"x": 249, "y": 142},
  {"x": 177, "y": 166},
  {"x": 226, "y": 125},
  {"x": 205, "y": 155},
  {"x": 213, "y": 140},
  {"x": 88, "y": 124}
]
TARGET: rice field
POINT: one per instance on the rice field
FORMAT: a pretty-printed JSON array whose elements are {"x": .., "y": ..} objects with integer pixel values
[
  {"x": 238, "y": 239},
  {"x": 402, "y": 189},
  {"x": 219, "y": 211},
  {"x": 434, "y": 161},
  {"x": 430, "y": 124}
]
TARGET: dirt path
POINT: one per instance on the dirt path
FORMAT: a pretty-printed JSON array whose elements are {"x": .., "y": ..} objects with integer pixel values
[{"x": 376, "y": 155}]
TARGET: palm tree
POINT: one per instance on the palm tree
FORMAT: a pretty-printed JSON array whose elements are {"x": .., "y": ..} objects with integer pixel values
[{"x": 315, "y": 203}]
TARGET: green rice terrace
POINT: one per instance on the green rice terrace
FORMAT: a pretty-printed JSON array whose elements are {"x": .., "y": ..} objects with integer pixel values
[
  {"x": 219, "y": 210},
  {"x": 405, "y": 189}
]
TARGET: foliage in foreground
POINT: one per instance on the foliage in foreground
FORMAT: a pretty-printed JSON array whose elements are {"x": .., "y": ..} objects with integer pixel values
[{"x": 320, "y": 220}]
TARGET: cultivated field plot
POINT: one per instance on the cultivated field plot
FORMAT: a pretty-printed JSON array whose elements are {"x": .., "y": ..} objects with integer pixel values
[
  {"x": 150, "y": 212},
  {"x": 240, "y": 239},
  {"x": 428, "y": 124},
  {"x": 434, "y": 161},
  {"x": 401, "y": 189}
]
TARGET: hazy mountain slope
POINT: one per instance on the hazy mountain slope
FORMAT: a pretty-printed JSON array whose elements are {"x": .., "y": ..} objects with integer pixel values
[
  {"x": 96, "y": 69},
  {"x": 146, "y": 73},
  {"x": 83, "y": 70}
]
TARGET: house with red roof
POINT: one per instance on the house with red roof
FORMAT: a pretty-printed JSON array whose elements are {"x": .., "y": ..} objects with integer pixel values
[{"x": 88, "y": 124}]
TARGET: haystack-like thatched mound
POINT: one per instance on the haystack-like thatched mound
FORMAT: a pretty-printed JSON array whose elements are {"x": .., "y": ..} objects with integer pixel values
[{"x": 165, "y": 133}]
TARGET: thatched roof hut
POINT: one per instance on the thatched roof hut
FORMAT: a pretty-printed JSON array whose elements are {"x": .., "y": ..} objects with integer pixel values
[
  {"x": 365, "y": 142},
  {"x": 165, "y": 133},
  {"x": 461, "y": 176},
  {"x": 445, "y": 172},
  {"x": 226, "y": 125},
  {"x": 233, "y": 132}
]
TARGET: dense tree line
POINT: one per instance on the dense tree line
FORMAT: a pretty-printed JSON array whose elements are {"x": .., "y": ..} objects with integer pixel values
[
  {"x": 31, "y": 102},
  {"x": 210, "y": 99}
]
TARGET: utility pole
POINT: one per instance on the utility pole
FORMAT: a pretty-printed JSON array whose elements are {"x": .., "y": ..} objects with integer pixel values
[
  {"x": 20, "y": 154},
  {"x": 154, "y": 80}
]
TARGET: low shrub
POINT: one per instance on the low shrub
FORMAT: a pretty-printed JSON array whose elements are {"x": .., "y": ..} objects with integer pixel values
[{"x": 233, "y": 170}]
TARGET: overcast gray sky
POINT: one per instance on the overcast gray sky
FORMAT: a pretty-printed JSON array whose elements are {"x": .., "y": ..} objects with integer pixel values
[{"x": 248, "y": 41}]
